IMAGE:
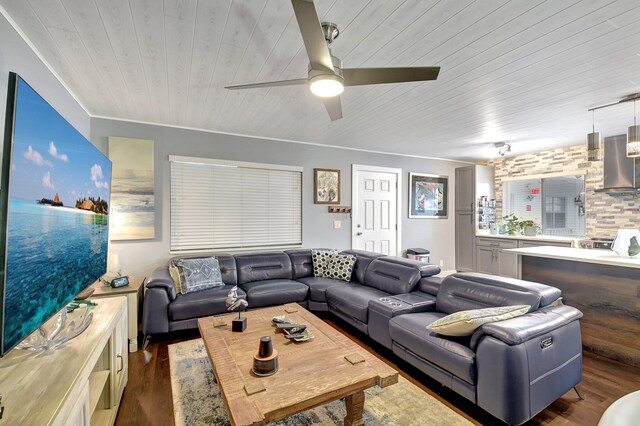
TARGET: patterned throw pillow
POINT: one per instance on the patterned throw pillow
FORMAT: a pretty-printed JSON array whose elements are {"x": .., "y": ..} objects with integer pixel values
[
  {"x": 320, "y": 259},
  {"x": 198, "y": 274},
  {"x": 341, "y": 266},
  {"x": 464, "y": 323},
  {"x": 175, "y": 277}
]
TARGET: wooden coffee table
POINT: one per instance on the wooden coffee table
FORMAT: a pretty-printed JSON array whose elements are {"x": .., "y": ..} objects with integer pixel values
[{"x": 311, "y": 373}]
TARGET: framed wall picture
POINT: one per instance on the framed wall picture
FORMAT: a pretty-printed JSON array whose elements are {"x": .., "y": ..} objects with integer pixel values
[
  {"x": 428, "y": 195},
  {"x": 326, "y": 185},
  {"x": 132, "y": 189}
]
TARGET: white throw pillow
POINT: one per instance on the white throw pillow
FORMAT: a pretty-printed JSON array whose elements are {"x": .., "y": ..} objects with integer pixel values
[{"x": 464, "y": 323}]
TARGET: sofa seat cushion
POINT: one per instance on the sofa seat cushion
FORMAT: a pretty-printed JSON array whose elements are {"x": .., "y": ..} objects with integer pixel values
[
  {"x": 274, "y": 292},
  {"x": 353, "y": 300},
  {"x": 319, "y": 285},
  {"x": 201, "y": 304},
  {"x": 449, "y": 353}
]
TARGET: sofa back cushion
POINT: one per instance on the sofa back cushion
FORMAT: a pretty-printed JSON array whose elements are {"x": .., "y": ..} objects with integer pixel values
[
  {"x": 301, "y": 263},
  {"x": 363, "y": 259},
  {"x": 470, "y": 290},
  {"x": 430, "y": 285},
  {"x": 227, "y": 266},
  {"x": 228, "y": 269},
  {"x": 392, "y": 278},
  {"x": 263, "y": 266}
]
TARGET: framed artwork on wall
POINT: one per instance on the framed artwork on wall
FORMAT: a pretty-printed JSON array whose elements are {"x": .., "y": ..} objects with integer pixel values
[
  {"x": 428, "y": 195},
  {"x": 132, "y": 189},
  {"x": 326, "y": 186}
]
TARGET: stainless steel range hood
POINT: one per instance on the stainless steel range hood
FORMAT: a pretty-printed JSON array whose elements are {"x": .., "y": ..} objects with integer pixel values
[{"x": 619, "y": 170}]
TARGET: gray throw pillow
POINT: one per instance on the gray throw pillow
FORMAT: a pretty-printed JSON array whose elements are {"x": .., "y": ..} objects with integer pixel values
[{"x": 198, "y": 274}]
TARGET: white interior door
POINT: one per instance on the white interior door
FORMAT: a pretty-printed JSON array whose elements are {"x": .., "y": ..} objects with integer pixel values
[{"x": 376, "y": 225}]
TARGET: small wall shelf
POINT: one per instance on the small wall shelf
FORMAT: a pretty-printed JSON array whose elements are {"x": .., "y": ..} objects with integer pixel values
[{"x": 339, "y": 209}]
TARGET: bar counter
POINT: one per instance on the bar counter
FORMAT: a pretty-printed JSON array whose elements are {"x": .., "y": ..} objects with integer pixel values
[{"x": 603, "y": 285}]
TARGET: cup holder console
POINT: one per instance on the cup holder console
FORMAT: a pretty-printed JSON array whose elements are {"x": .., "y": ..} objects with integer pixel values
[{"x": 390, "y": 302}]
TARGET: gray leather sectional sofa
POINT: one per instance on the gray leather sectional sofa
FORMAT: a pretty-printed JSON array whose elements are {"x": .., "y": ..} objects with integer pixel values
[{"x": 513, "y": 369}]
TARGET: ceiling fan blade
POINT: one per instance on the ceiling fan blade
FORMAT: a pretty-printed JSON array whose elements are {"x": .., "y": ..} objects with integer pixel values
[
  {"x": 362, "y": 76},
  {"x": 269, "y": 84},
  {"x": 312, "y": 35},
  {"x": 333, "y": 106}
]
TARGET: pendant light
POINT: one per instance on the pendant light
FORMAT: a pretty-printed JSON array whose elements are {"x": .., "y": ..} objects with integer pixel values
[
  {"x": 633, "y": 136},
  {"x": 594, "y": 142}
]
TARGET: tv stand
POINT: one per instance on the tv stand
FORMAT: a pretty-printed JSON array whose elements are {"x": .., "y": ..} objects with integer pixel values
[
  {"x": 63, "y": 331},
  {"x": 80, "y": 383}
]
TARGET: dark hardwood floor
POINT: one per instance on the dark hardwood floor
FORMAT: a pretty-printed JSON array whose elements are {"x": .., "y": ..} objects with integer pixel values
[{"x": 147, "y": 397}]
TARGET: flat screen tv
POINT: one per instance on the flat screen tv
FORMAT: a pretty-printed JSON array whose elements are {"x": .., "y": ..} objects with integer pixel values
[{"x": 54, "y": 203}]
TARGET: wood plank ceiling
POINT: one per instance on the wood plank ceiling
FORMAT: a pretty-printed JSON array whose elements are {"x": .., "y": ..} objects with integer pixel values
[{"x": 525, "y": 71}]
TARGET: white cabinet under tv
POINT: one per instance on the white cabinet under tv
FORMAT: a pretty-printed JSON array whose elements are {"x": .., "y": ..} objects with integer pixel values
[{"x": 79, "y": 383}]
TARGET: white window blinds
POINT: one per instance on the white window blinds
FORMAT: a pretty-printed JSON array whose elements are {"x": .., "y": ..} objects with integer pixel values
[{"x": 226, "y": 204}]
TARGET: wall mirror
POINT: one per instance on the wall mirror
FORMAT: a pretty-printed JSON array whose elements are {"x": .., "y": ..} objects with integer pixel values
[{"x": 555, "y": 202}]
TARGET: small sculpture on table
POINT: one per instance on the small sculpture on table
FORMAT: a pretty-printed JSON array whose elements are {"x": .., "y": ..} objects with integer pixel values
[{"x": 234, "y": 303}]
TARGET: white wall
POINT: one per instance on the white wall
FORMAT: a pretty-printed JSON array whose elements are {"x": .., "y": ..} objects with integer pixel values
[
  {"x": 140, "y": 257},
  {"x": 16, "y": 56}
]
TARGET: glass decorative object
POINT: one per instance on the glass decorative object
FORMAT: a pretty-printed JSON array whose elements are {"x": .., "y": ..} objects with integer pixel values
[{"x": 627, "y": 243}]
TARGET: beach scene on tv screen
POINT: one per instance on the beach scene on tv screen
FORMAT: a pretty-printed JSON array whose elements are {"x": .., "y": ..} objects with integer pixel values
[{"x": 57, "y": 232}]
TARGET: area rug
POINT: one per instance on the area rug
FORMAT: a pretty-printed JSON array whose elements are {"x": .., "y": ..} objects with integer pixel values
[{"x": 197, "y": 399}]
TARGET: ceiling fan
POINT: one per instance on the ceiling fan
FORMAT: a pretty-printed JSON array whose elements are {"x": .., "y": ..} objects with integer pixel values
[{"x": 327, "y": 78}]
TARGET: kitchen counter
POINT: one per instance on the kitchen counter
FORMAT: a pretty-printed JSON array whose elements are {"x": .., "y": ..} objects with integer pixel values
[
  {"x": 524, "y": 237},
  {"x": 602, "y": 257},
  {"x": 603, "y": 285}
]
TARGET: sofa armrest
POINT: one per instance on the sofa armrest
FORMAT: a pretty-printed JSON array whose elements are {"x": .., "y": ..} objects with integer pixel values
[
  {"x": 517, "y": 330},
  {"x": 382, "y": 309},
  {"x": 155, "y": 313},
  {"x": 161, "y": 279}
]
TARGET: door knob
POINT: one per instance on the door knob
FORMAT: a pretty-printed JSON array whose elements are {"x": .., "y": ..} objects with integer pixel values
[{"x": 358, "y": 233}]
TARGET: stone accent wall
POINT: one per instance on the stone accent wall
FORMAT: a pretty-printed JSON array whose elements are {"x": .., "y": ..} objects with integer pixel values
[{"x": 604, "y": 213}]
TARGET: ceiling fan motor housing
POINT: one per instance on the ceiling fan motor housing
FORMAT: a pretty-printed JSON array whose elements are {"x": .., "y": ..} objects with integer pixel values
[{"x": 337, "y": 68}]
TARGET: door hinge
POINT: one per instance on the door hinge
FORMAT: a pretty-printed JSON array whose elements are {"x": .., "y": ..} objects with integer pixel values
[{"x": 396, "y": 226}]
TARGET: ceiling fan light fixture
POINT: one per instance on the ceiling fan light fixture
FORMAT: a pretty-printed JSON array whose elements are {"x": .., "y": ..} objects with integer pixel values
[
  {"x": 503, "y": 148},
  {"x": 326, "y": 86},
  {"x": 594, "y": 143}
]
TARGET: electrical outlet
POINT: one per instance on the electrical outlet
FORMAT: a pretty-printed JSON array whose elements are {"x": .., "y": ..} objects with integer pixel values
[
  {"x": 337, "y": 224},
  {"x": 441, "y": 263}
]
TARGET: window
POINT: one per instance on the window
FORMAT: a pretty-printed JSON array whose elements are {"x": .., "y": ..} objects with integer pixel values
[
  {"x": 219, "y": 204},
  {"x": 555, "y": 212},
  {"x": 554, "y": 201}
]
